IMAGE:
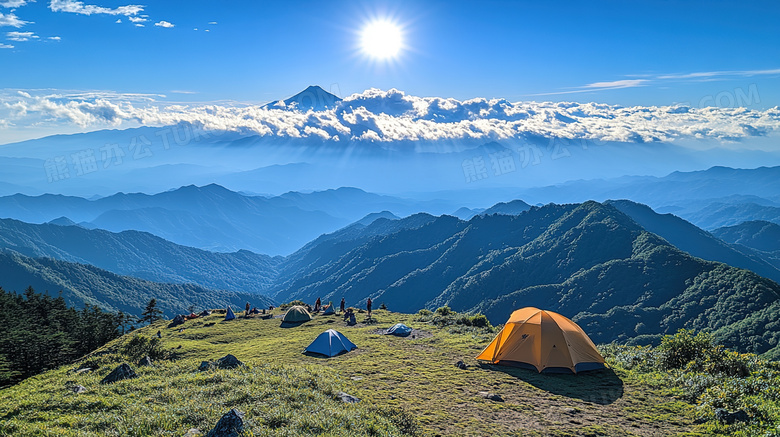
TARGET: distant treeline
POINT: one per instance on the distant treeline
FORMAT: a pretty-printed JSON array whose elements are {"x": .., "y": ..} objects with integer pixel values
[{"x": 40, "y": 332}]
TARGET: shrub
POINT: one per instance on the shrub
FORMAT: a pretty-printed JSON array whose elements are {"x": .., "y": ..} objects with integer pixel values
[
  {"x": 382, "y": 306},
  {"x": 444, "y": 311},
  {"x": 684, "y": 349},
  {"x": 477, "y": 320},
  {"x": 287, "y": 305},
  {"x": 424, "y": 313},
  {"x": 140, "y": 346}
]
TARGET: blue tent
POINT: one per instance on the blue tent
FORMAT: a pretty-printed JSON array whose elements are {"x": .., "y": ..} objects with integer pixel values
[
  {"x": 328, "y": 310},
  {"x": 230, "y": 315},
  {"x": 330, "y": 343},
  {"x": 400, "y": 330}
]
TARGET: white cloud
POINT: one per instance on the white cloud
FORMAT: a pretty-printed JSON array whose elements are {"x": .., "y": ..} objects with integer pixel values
[
  {"x": 21, "y": 36},
  {"x": 164, "y": 24},
  {"x": 659, "y": 79},
  {"x": 12, "y": 20},
  {"x": 137, "y": 19},
  {"x": 55, "y": 38},
  {"x": 15, "y": 3},
  {"x": 118, "y": 20},
  {"x": 6, "y": 46},
  {"x": 139, "y": 25},
  {"x": 212, "y": 22},
  {"x": 719, "y": 74},
  {"x": 77, "y": 7},
  {"x": 392, "y": 116}
]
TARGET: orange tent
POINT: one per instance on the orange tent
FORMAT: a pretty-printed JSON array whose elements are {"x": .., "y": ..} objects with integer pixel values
[{"x": 545, "y": 341}]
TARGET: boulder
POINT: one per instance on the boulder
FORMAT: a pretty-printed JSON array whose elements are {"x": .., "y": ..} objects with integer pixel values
[
  {"x": 461, "y": 365},
  {"x": 726, "y": 417},
  {"x": 178, "y": 320},
  {"x": 491, "y": 396},
  {"x": 78, "y": 389},
  {"x": 193, "y": 432},
  {"x": 346, "y": 398},
  {"x": 228, "y": 362},
  {"x": 122, "y": 372},
  {"x": 145, "y": 361},
  {"x": 230, "y": 425}
]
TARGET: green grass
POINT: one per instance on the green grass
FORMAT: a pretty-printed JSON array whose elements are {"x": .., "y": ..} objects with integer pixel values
[{"x": 284, "y": 392}]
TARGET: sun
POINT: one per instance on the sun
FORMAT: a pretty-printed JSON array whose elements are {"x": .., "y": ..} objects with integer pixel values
[{"x": 381, "y": 39}]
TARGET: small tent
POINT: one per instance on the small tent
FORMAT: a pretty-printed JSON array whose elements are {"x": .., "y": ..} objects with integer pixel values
[
  {"x": 330, "y": 343},
  {"x": 230, "y": 315},
  {"x": 545, "y": 341},
  {"x": 328, "y": 309},
  {"x": 400, "y": 330},
  {"x": 296, "y": 314}
]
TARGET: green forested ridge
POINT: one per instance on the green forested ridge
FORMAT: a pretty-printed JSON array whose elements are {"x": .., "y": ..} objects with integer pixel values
[
  {"x": 588, "y": 261},
  {"x": 142, "y": 255},
  {"x": 757, "y": 234},
  {"x": 40, "y": 332},
  {"x": 85, "y": 284}
]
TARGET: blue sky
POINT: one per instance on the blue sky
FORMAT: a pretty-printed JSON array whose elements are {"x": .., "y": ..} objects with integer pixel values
[
  {"x": 639, "y": 53},
  {"x": 259, "y": 51}
]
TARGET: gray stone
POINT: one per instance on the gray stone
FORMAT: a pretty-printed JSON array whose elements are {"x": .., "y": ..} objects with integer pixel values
[
  {"x": 461, "y": 365},
  {"x": 122, "y": 372},
  {"x": 193, "y": 432},
  {"x": 729, "y": 418},
  {"x": 491, "y": 396},
  {"x": 346, "y": 398},
  {"x": 145, "y": 361},
  {"x": 78, "y": 389},
  {"x": 230, "y": 425},
  {"x": 228, "y": 362}
]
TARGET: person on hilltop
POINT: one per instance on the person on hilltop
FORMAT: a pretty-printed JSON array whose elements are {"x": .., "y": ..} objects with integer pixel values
[
  {"x": 247, "y": 309},
  {"x": 368, "y": 307},
  {"x": 317, "y": 305},
  {"x": 342, "y": 305}
]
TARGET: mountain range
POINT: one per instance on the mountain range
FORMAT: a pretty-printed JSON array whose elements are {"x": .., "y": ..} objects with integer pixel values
[
  {"x": 217, "y": 219},
  {"x": 589, "y": 261}
]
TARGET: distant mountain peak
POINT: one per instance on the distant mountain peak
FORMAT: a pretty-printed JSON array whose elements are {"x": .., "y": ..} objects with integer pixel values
[{"x": 312, "y": 98}]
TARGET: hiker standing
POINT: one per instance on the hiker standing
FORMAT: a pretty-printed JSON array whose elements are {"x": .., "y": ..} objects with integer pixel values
[
  {"x": 342, "y": 305},
  {"x": 368, "y": 306},
  {"x": 317, "y": 305},
  {"x": 247, "y": 309}
]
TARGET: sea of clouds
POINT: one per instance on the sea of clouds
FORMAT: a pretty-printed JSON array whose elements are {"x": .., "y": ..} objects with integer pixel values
[{"x": 387, "y": 116}]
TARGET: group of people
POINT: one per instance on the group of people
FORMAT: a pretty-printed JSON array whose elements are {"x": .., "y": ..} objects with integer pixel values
[
  {"x": 254, "y": 310},
  {"x": 348, "y": 313}
]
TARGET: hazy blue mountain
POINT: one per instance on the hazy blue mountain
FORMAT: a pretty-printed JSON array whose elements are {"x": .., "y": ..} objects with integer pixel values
[
  {"x": 371, "y": 218},
  {"x": 141, "y": 255},
  {"x": 759, "y": 235},
  {"x": 466, "y": 213},
  {"x": 209, "y": 217},
  {"x": 513, "y": 207},
  {"x": 718, "y": 215},
  {"x": 214, "y": 218},
  {"x": 697, "y": 242},
  {"x": 589, "y": 261},
  {"x": 81, "y": 283},
  {"x": 676, "y": 190}
]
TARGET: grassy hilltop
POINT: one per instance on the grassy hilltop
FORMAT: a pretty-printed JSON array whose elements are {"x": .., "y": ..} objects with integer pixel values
[{"x": 407, "y": 386}]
